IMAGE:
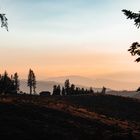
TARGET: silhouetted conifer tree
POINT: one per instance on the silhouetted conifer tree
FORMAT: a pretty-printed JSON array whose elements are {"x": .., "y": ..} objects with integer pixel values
[
  {"x": 103, "y": 90},
  {"x": 72, "y": 89},
  {"x": 67, "y": 86},
  {"x": 77, "y": 90},
  {"x": 63, "y": 91},
  {"x": 91, "y": 90},
  {"x": 16, "y": 82},
  {"x": 7, "y": 84},
  {"x": 34, "y": 83},
  {"x": 56, "y": 90},
  {"x": 82, "y": 91},
  {"x": 31, "y": 81},
  {"x": 87, "y": 91}
]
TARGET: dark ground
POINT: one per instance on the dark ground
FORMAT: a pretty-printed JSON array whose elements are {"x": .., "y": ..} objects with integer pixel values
[{"x": 96, "y": 117}]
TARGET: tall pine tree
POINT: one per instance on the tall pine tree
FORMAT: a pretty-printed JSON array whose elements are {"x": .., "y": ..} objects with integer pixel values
[
  {"x": 31, "y": 81},
  {"x": 16, "y": 82}
]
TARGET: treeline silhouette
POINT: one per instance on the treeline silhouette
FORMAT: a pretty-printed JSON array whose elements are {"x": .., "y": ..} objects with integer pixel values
[
  {"x": 70, "y": 89},
  {"x": 11, "y": 85}
]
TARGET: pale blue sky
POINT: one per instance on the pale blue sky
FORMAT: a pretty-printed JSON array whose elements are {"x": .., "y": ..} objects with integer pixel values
[
  {"x": 67, "y": 21},
  {"x": 63, "y": 34}
]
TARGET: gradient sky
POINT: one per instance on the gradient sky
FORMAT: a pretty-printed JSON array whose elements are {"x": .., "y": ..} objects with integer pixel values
[{"x": 69, "y": 37}]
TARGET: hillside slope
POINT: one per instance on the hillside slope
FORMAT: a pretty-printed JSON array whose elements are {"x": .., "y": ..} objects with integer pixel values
[{"x": 66, "y": 118}]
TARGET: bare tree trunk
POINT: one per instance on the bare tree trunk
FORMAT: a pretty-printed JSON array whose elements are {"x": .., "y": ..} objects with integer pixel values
[{"x": 30, "y": 90}]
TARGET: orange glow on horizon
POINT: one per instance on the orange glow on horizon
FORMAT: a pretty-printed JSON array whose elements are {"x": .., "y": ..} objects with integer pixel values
[{"x": 95, "y": 64}]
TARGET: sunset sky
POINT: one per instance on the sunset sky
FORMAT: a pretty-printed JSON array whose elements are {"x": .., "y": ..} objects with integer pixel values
[{"x": 69, "y": 37}]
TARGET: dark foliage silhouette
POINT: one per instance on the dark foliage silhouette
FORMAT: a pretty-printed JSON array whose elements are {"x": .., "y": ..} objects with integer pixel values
[
  {"x": 135, "y": 50},
  {"x": 138, "y": 89},
  {"x": 135, "y": 47},
  {"x": 67, "y": 86},
  {"x": 31, "y": 81},
  {"x": 4, "y": 21},
  {"x": 70, "y": 89},
  {"x": 103, "y": 90},
  {"x": 73, "y": 90},
  {"x": 56, "y": 90},
  {"x": 91, "y": 90},
  {"x": 63, "y": 91},
  {"x": 133, "y": 16},
  {"x": 16, "y": 81},
  {"x": 9, "y": 85}
]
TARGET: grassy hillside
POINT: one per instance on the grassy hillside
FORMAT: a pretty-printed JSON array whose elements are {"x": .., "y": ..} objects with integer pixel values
[
  {"x": 71, "y": 117},
  {"x": 121, "y": 108}
]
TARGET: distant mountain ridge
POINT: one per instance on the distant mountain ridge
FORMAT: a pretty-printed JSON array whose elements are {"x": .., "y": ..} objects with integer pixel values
[
  {"x": 49, "y": 83},
  {"x": 74, "y": 79},
  {"x": 80, "y": 81},
  {"x": 98, "y": 82}
]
